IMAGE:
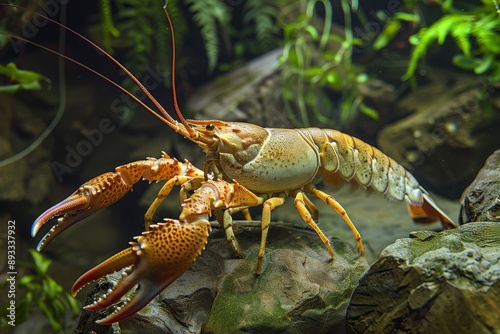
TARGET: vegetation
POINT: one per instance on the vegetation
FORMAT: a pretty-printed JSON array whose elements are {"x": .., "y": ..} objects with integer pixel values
[
  {"x": 316, "y": 61},
  {"x": 145, "y": 31},
  {"x": 17, "y": 79},
  {"x": 474, "y": 28},
  {"x": 41, "y": 292}
]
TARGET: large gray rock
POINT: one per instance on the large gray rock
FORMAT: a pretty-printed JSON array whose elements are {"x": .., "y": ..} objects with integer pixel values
[
  {"x": 481, "y": 200},
  {"x": 448, "y": 134},
  {"x": 446, "y": 282},
  {"x": 299, "y": 291}
]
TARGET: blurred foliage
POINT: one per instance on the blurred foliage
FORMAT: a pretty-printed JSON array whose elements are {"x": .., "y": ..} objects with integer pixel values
[
  {"x": 143, "y": 28},
  {"x": 18, "y": 79},
  {"x": 8, "y": 15},
  {"x": 231, "y": 33},
  {"x": 317, "y": 60},
  {"x": 40, "y": 292},
  {"x": 473, "y": 26}
]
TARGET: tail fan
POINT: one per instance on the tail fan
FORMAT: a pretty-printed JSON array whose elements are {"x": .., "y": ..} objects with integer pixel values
[{"x": 429, "y": 212}]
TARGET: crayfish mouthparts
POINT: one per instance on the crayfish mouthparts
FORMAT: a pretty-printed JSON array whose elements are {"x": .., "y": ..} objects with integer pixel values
[{"x": 154, "y": 260}]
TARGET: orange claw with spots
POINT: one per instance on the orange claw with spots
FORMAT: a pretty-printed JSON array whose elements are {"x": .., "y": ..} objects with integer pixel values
[
  {"x": 156, "y": 259},
  {"x": 108, "y": 188},
  {"x": 159, "y": 256}
]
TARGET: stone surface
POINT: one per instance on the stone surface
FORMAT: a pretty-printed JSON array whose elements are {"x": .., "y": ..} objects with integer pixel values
[
  {"x": 446, "y": 282},
  {"x": 250, "y": 93},
  {"x": 448, "y": 134},
  {"x": 27, "y": 179},
  {"x": 300, "y": 289},
  {"x": 481, "y": 200}
]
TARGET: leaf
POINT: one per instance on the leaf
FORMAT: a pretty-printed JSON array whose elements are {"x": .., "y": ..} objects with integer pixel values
[
  {"x": 207, "y": 14},
  {"x": 334, "y": 79},
  {"x": 464, "y": 62},
  {"x": 368, "y": 111},
  {"x": 313, "y": 71},
  {"x": 25, "y": 280},
  {"x": 73, "y": 303},
  {"x": 485, "y": 64},
  {"x": 312, "y": 31},
  {"x": 41, "y": 263},
  {"x": 26, "y": 80},
  {"x": 21, "y": 76},
  {"x": 54, "y": 323},
  {"x": 390, "y": 31}
]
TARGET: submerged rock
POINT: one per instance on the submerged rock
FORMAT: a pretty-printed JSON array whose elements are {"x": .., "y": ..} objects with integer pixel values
[
  {"x": 448, "y": 133},
  {"x": 481, "y": 200},
  {"x": 446, "y": 282},
  {"x": 300, "y": 290}
]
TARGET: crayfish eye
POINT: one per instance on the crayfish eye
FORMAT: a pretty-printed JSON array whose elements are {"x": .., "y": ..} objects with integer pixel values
[{"x": 210, "y": 127}]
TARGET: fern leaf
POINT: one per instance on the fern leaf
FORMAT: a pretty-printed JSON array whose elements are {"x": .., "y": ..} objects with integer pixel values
[
  {"x": 458, "y": 25},
  {"x": 208, "y": 14},
  {"x": 486, "y": 33},
  {"x": 263, "y": 17},
  {"x": 107, "y": 25},
  {"x": 462, "y": 33}
]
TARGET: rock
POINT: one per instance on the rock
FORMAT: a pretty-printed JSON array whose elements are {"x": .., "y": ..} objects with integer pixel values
[
  {"x": 446, "y": 282},
  {"x": 449, "y": 132},
  {"x": 28, "y": 178},
  {"x": 251, "y": 92},
  {"x": 299, "y": 290},
  {"x": 481, "y": 200}
]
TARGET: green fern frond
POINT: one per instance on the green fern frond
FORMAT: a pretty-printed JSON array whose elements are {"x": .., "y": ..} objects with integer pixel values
[
  {"x": 461, "y": 33},
  {"x": 264, "y": 16},
  {"x": 208, "y": 15},
  {"x": 457, "y": 25},
  {"x": 108, "y": 27},
  {"x": 486, "y": 32}
]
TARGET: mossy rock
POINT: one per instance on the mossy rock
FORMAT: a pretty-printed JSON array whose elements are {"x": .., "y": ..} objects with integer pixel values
[
  {"x": 300, "y": 290},
  {"x": 446, "y": 282}
]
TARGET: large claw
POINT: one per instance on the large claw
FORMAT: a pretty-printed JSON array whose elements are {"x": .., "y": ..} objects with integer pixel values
[
  {"x": 154, "y": 260},
  {"x": 93, "y": 195}
]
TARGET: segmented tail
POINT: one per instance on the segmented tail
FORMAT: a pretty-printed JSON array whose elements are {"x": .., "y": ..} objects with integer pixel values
[{"x": 347, "y": 157}]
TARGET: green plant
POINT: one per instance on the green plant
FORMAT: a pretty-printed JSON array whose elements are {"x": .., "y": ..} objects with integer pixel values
[
  {"x": 142, "y": 27},
  {"x": 310, "y": 69},
  {"x": 18, "y": 79},
  {"x": 474, "y": 27},
  {"x": 42, "y": 292}
]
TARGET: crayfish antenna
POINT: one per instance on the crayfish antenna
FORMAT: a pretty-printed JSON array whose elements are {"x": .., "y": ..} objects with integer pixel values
[{"x": 192, "y": 133}]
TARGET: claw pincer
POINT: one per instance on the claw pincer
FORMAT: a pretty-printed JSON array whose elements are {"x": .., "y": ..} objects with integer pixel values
[
  {"x": 159, "y": 256},
  {"x": 108, "y": 188},
  {"x": 93, "y": 195},
  {"x": 156, "y": 259},
  {"x": 163, "y": 253}
]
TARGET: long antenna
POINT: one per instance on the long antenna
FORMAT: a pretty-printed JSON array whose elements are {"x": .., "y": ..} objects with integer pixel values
[
  {"x": 192, "y": 133},
  {"x": 165, "y": 116}
]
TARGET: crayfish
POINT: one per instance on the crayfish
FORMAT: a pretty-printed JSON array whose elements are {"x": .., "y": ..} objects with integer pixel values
[{"x": 247, "y": 166}]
